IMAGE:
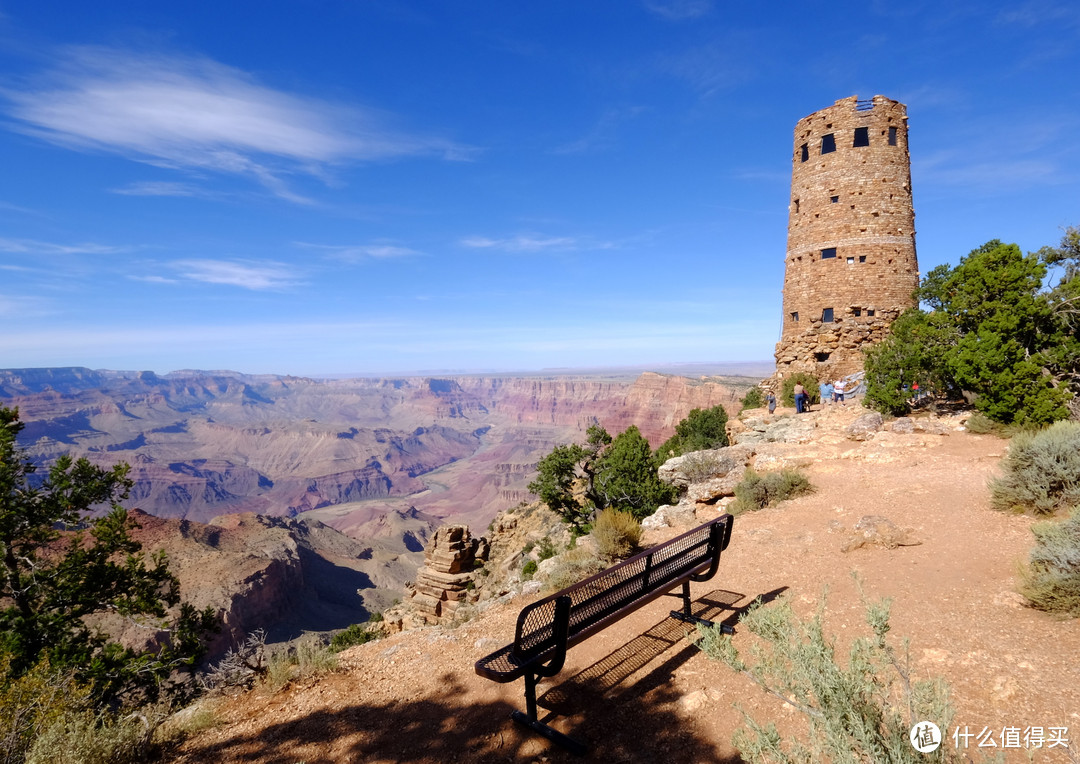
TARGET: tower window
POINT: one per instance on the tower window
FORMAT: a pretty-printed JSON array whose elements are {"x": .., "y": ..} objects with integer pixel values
[
  {"x": 892, "y": 136},
  {"x": 795, "y": 316},
  {"x": 804, "y": 152},
  {"x": 828, "y": 143},
  {"x": 796, "y": 203},
  {"x": 827, "y": 253},
  {"x": 862, "y": 137},
  {"x": 870, "y": 311},
  {"x": 851, "y": 261},
  {"x": 856, "y": 311},
  {"x": 862, "y": 258},
  {"x": 834, "y": 199},
  {"x": 827, "y": 316}
]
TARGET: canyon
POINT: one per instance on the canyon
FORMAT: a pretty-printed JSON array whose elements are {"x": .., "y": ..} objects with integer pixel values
[{"x": 304, "y": 504}]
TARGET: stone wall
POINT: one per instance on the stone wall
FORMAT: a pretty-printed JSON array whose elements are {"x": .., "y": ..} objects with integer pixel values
[{"x": 851, "y": 266}]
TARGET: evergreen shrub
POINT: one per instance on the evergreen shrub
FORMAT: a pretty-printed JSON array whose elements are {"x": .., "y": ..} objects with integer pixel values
[
  {"x": 357, "y": 634},
  {"x": 1041, "y": 471},
  {"x": 701, "y": 429},
  {"x": 754, "y": 399},
  {"x": 810, "y": 382}
]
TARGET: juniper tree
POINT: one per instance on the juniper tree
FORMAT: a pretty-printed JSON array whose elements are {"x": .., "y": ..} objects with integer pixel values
[
  {"x": 55, "y": 579},
  {"x": 1000, "y": 328}
]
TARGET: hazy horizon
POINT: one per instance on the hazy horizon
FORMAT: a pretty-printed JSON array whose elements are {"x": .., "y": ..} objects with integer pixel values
[{"x": 735, "y": 368}]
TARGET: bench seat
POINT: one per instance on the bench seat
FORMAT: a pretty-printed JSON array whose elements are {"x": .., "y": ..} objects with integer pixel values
[{"x": 547, "y": 628}]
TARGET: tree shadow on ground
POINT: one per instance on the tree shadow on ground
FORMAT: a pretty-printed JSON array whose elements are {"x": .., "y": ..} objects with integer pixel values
[
  {"x": 436, "y": 729},
  {"x": 635, "y": 724}
]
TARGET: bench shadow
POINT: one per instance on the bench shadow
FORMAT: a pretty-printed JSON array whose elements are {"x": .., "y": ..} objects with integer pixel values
[{"x": 599, "y": 682}]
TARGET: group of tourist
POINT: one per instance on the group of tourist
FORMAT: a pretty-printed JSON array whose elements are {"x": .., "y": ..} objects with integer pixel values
[{"x": 829, "y": 391}]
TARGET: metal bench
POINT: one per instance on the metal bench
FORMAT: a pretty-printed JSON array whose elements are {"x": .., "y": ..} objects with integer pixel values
[{"x": 547, "y": 628}]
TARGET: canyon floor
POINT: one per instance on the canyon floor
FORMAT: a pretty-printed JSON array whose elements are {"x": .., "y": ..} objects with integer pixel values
[{"x": 641, "y": 691}]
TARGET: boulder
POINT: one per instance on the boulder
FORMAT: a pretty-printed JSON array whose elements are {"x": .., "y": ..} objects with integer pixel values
[
  {"x": 865, "y": 426},
  {"x": 669, "y": 516},
  {"x": 710, "y": 490},
  {"x": 902, "y": 425},
  {"x": 875, "y": 530},
  {"x": 700, "y": 466}
]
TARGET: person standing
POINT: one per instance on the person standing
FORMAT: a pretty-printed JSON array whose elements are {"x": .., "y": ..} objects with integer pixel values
[
  {"x": 771, "y": 400},
  {"x": 800, "y": 398},
  {"x": 838, "y": 389}
]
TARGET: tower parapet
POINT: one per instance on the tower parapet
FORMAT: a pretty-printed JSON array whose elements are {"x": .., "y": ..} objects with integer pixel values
[{"x": 851, "y": 267}]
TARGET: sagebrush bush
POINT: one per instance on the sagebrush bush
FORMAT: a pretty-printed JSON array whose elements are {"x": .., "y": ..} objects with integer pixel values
[
  {"x": 1051, "y": 582},
  {"x": 33, "y": 702},
  {"x": 307, "y": 657},
  {"x": 759, "y": 490},
  {"x": 90, "y": 738},
  {"x": 314, "y": 658},
  {"x": 1041, "y": 471},
  {"x": 616, "y": 534},
  {"x": 861, "y": 712},
  {"x": 980, "y": 424},
  {"x": 572, "y": 566},
  {"x": 702, "y": 465}
]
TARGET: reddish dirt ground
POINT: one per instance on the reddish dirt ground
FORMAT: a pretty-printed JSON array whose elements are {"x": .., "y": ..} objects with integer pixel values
[{"x": 640, "y": 691}]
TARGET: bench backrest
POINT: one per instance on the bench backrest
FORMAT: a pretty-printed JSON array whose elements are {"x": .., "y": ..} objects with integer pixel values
[{"x": 608, "y": 596}]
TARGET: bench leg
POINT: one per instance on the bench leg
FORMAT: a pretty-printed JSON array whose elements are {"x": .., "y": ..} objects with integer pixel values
[
  {"x": 532, "y": 722},
  {"x": 687, "y": 617}
]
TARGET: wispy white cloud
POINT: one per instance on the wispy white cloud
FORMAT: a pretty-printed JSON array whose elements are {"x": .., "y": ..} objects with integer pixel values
[
  {"x": 21, "y": 306},
  {"x": 159, "y": 188},
  {"x": 196, "y": 114},
  {"x": 1038, "y": 12},
  {"x": 16, "y": 208},
  {"x": 989, "y": 175},
  {"x": 247, "y": 274},
  {"x": 153, "y": 279},
  {"x": 32, "y": 247},
  {"x": 679, "y": 10},
  {"x": 718, "y": 66},
  {"x": 353, "y": 253},
  {"x": 603, "y": 134},
  {"x": 534, "y": 243}
]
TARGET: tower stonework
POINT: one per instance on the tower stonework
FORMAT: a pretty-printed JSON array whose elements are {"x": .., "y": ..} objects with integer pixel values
[{"x": 851, "y": 267}]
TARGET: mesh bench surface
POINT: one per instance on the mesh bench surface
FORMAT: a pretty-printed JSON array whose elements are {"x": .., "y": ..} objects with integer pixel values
[{"x": 598, "y": 601}]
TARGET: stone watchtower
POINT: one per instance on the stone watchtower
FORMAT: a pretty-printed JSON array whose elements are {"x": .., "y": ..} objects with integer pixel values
[{"x": 850, "y": 267}]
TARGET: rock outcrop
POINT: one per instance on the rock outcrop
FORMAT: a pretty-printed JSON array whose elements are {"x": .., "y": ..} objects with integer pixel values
[
  {"x": 285, "y": 576},
  {"x": 445, "y": 582}
]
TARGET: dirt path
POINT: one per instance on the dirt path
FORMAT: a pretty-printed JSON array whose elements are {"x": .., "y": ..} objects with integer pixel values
[{"x": 644, "y": 693}]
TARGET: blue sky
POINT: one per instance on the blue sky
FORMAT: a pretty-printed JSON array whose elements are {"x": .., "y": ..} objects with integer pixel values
[{"x": 331, "y": 187}]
